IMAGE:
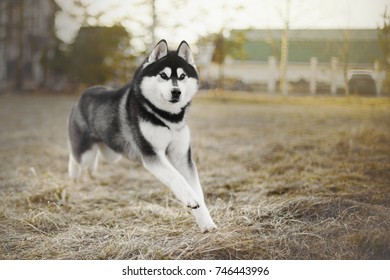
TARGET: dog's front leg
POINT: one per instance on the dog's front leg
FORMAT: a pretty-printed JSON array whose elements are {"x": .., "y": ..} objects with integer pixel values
[
  {"x": 184, "y": 164},
  {"x": 163, "y": 170}
]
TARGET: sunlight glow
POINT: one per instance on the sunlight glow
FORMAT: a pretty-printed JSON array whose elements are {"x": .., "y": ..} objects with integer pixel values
[{"x": 181, "y": 19}]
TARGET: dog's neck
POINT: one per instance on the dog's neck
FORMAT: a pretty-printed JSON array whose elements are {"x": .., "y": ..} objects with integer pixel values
[{"x": 168, "y": 116}]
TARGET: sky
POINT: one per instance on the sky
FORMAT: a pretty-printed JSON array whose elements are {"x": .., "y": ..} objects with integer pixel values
[{"x": 189, "y": 19}]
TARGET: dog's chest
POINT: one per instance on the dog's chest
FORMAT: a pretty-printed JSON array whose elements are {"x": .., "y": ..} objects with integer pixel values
[{"x": 162, "y": 137}]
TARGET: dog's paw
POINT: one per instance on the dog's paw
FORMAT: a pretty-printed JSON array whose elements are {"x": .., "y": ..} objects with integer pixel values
[
  {"x": 208, "y": 228},
  {"x": 189, "y": 199},
  {"x": 192, "y": 204}
]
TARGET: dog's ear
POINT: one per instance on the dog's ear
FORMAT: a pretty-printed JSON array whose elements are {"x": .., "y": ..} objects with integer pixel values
[
  {"x": 159, "y": 51},
  {"x": 184, "y": 52}
]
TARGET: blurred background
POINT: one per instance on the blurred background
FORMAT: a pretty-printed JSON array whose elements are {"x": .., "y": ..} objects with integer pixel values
[
  {"x": 281, "y": 47},
  {"x": 305, "y": 176}
]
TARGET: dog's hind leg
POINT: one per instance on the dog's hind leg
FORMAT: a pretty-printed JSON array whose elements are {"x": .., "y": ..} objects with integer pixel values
[
  {"x": 108, "y": 154},
  {"x": 74, "y": 169},
  {"x": 89, "y": 160}
]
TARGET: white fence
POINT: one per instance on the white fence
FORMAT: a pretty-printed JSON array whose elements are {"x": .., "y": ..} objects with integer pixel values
[{"x": 267, "y": 73}]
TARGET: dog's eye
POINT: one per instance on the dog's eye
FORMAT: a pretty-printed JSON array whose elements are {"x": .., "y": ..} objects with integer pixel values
[
  {"x": 182, "y": 76},
  {"x": 164, "y": 76}
]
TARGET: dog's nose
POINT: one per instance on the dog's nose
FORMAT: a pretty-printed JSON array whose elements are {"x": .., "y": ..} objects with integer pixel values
[{"x": 176, "y": 93}]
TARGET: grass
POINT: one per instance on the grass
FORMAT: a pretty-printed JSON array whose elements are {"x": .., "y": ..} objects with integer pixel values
[{"x": 284, "y": 178}]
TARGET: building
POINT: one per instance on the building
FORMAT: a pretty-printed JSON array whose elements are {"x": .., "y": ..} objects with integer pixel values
[
  {"x": 27, "y": 39},
  {"x": 328, "y": 53},
  {"x": 361, "y": 45}
]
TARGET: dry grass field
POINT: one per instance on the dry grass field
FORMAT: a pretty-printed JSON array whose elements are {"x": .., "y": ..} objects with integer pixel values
[{"x": 284, "y": 178}]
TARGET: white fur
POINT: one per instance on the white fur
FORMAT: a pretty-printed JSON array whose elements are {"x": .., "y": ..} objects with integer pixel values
[
  {"x": 177, "y": 155},
  {"x": 158, "y": 136},
  {"x": 89, "y": 161},
  {"x": 167, "y": 71},
  {"x": 184, "y": 52},
  {"x": 159, "y": 91},
  {"x": 159, "y": 51},
  {"x": 171, "y": 167},
  {"x": 74, "y": 169},
  {"x": 108, "y": 154},
  {"x": 179, "y": 72}
]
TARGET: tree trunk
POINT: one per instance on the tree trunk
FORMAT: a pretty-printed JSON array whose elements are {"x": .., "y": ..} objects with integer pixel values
[{"x": 19, "y": 74}]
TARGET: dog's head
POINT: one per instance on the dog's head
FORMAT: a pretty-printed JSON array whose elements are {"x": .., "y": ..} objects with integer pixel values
[{"x": 168, "y": 78}]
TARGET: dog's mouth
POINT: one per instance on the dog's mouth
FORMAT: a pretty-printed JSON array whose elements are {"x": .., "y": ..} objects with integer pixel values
[
  {"x": 174, "y": 100},
  {"x": 171, "y": 100}
]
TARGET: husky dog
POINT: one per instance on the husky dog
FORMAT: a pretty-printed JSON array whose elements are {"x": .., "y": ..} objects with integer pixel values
[{"x": 146, "y": 121}]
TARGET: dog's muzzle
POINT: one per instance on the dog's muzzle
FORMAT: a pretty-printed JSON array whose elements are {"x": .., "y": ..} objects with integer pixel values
[{"x": 175, "y": 93}]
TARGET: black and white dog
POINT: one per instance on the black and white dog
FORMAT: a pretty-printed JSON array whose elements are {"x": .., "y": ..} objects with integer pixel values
[{"x": 146, "y": 121}]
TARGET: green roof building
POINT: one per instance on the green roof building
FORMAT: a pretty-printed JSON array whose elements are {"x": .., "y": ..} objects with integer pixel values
[
  {"x": 362, "y": 45},
  {"x": 316, "y": 58}
]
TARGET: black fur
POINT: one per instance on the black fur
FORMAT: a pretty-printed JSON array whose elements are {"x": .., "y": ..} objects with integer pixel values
[
  {"x": 173, "y": 118},
  {"x": 96, "y": 116},
  {"x": 171, "y": 59}
]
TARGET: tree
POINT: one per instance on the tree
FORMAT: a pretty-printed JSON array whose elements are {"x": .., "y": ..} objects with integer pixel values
[
  {"x": 13, "y": 31},
  {"x": 96, "y": 52},
  {"x": 284, "y": 50},
  {"x": 58, "y": 61},
  {"x": 384, "y": 44},
  {"x": 232, "y": 46},
  {"x": 345, "y": 58},
  {"x": 99, "y": 53},
  {"x": 80, "y": 11},
  {"x": 157, "y": 17}
]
